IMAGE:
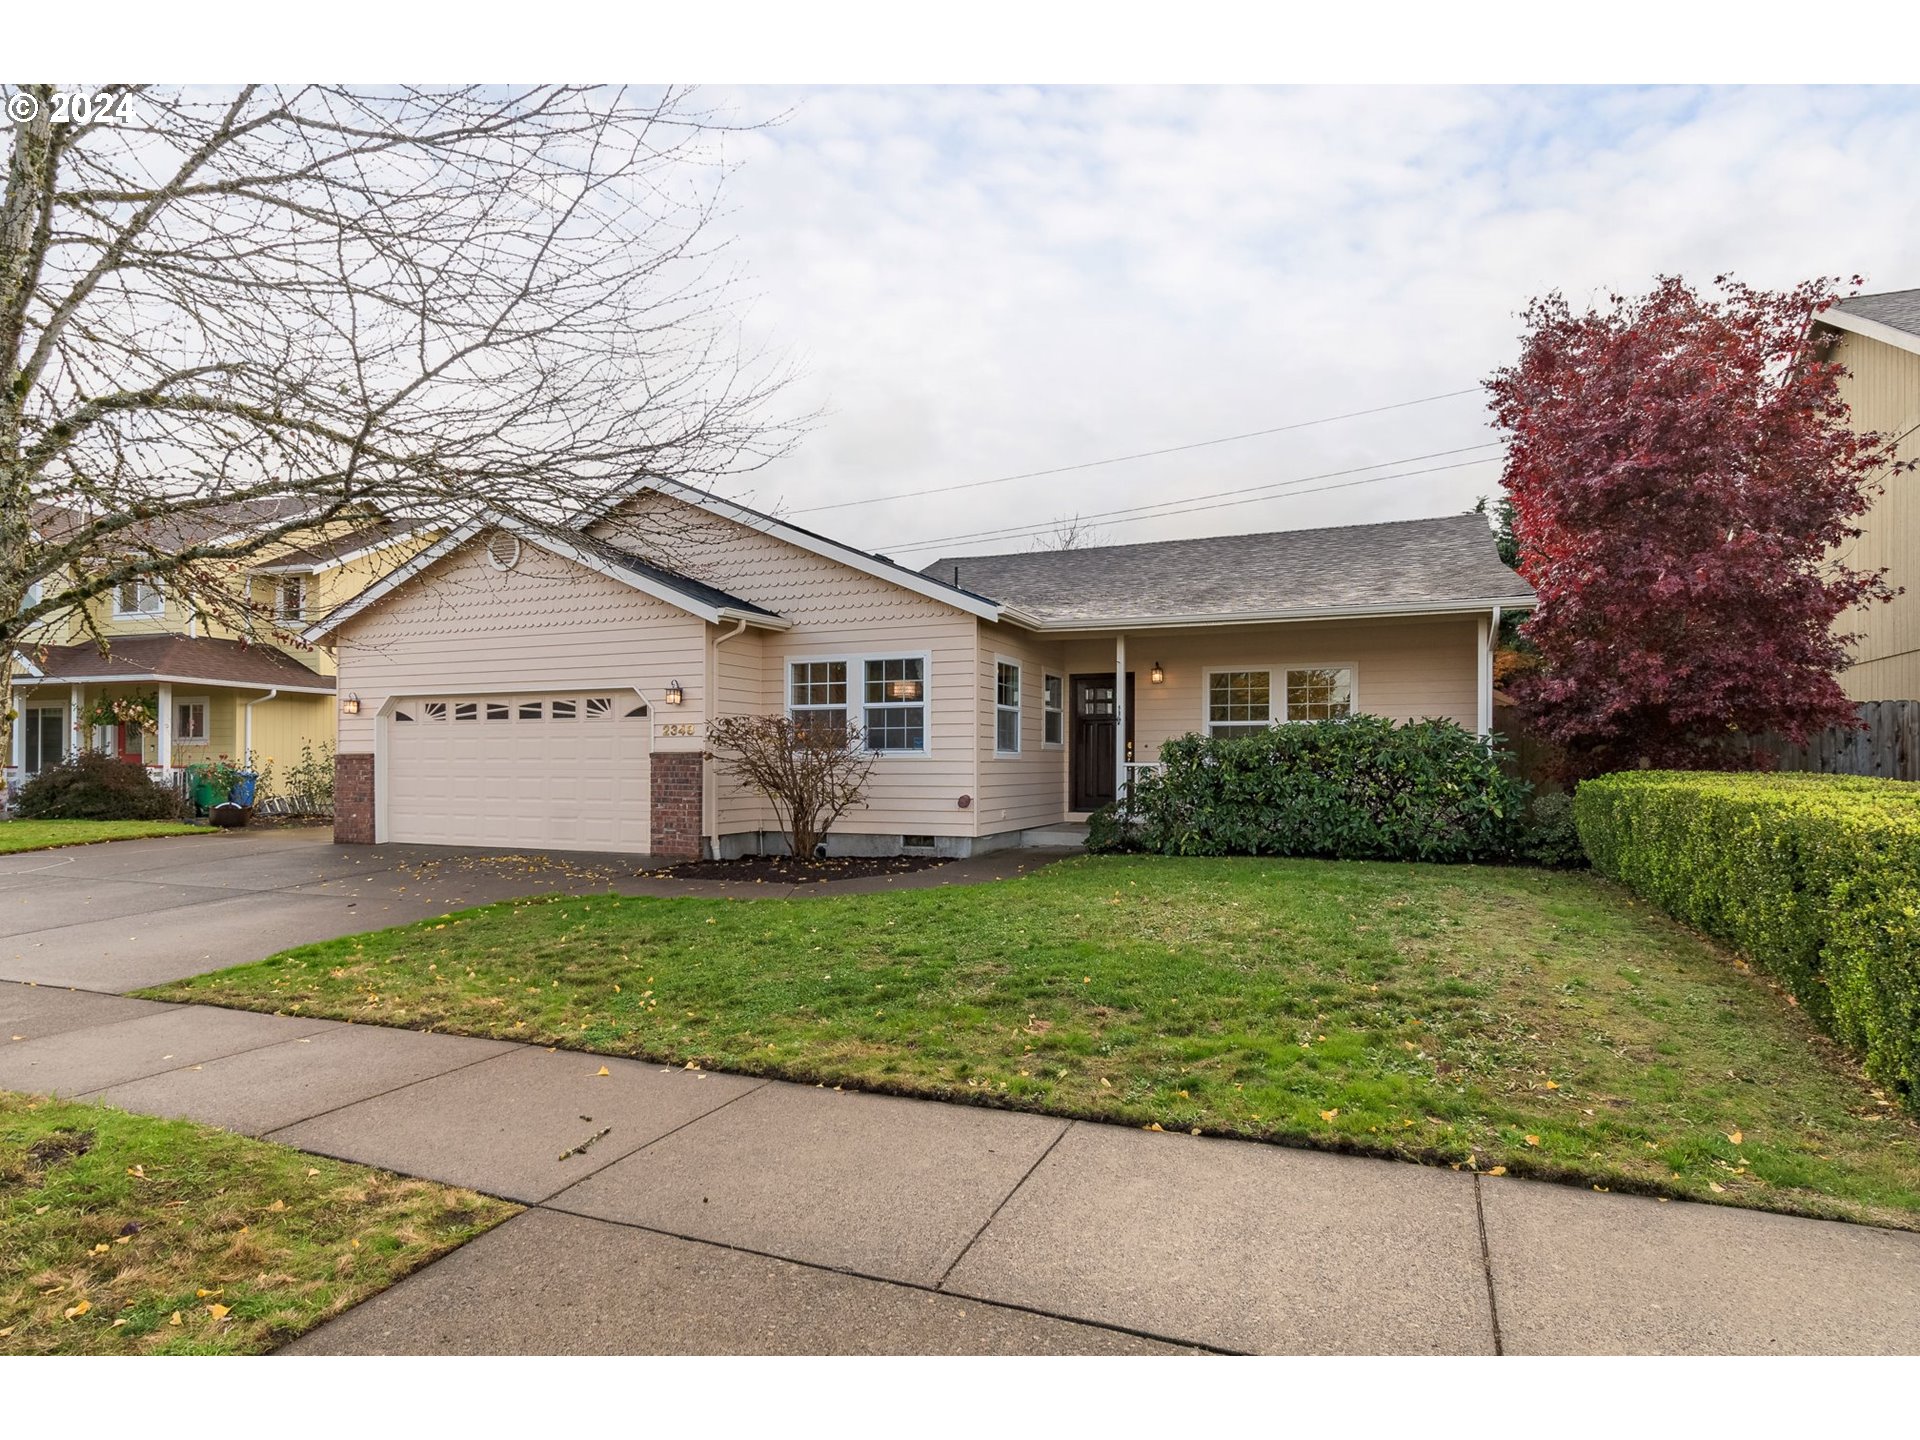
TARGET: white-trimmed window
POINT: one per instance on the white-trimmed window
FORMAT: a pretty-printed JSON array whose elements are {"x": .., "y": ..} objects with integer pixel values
[
  {"x": 290, "y": 597},
  {"x": 888, "y": 691},
  {"x": 1053, "y": 710},
  {"x": 1239, "y": 702},
  {"x": 895, "y": 711},
  {"x": 817, "y": 692},
  {"x": 1006, "y": 708},
  {"x": 137, "y": 597},
  {"x": 190, "y": 721},
  {"x": 1323, "y": 692}
]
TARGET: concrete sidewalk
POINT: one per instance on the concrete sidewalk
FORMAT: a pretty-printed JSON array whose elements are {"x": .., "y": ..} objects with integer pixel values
[{"x": 679, "y": 1211}]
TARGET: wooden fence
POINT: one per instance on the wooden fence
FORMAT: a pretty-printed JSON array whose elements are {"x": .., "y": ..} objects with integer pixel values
[{"x": 1889, "y": 747}]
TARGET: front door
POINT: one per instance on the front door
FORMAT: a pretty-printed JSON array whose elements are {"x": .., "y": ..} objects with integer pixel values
[
  {"x": 1090, "y": 754},
  {"x": 128, "y": 744}
]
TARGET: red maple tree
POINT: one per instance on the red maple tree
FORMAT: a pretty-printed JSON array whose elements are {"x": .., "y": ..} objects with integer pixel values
[{"x": 1684, "y": 481}]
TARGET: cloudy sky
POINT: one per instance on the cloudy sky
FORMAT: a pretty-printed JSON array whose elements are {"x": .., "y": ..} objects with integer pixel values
[{"x": 979, "y": 283}]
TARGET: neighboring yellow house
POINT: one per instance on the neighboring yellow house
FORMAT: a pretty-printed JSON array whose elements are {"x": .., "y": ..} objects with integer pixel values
[
  {"x": 214, "y": 690},
  {"x": 553, "y": 691},
  {"x": 1878, "y": 340}
]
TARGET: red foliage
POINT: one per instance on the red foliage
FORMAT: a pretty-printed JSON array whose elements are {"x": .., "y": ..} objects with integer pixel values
[{"x": 1682, "y": 468}]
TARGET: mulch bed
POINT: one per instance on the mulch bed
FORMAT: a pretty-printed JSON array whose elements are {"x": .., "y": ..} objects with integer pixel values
[{"x": 781, "y": 870}]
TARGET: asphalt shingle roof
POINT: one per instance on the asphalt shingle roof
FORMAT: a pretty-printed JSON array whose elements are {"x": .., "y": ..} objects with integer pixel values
[
  {"x": 693, "y": 589},
  {"x": 1401, "y": 564},
  {"x": 218, "y": 662},
  {"x": 1898, "y": 308}
]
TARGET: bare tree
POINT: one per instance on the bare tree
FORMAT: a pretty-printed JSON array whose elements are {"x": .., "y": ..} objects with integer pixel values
[
  {"x": 1070, "y": 534},
  {"x": 810, "y": 771},
  {"x": 226, "y": 317}
]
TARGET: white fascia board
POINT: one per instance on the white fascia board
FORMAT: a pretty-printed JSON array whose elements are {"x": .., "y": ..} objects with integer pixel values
[
  {"x": 1276, "y": 617},
  {"x": 125, "y": 679},
  {"x": 392, "y": 581},
  {"x": 314, "y": 567},
  {"x": 1871, "y": 329},
  {"x": 815, "y": 544}
]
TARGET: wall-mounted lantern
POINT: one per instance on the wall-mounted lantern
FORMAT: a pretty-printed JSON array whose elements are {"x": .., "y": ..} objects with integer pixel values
[
  {"x": 675, "y": 695},
  {"x": 350, "y": 705},
  {"x": 1157, "y": 675}
]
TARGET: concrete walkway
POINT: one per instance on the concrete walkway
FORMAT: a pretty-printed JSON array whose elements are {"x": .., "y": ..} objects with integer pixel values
[
  {"x": 713, "y": 1213},
  {"x": 135, "y": 913}
]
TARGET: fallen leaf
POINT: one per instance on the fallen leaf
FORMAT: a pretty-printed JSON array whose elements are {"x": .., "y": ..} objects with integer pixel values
[
  {"x": 1734, "y": 1136},
  {"x": 174, "y": 1319},
  {"x": 1553, "y": 1084},
  {"x": 203, "y": 1294},
  {"x": 80, "y": 1309},
  {"x": 1498, "y": 1170},
  {"x": 602, "y": 1071},
  {"x": 278, "y": 1205},
  {"x": 1155, "y": 1126},
  {"x": 1717, "y": 1188},
  {"x": 219, "y": 1312},
  {"x": 9, "y": 1330},
  {"x": 116, "y": 1324},
  {"x": 1327, "y": 1115},
  {"x": 1533, "y": 1139},
  {"x": 311, "y": 1172},
  {"x": 99, "y": 1250}
]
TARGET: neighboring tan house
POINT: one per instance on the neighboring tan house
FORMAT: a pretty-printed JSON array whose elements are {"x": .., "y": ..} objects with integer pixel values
[
  {"x": 1878, "y": 340},
  {"x": 517, "y": 689},
  {"x": 216, "y": 691}
]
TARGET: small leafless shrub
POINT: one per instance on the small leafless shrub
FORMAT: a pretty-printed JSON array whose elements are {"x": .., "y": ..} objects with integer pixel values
[{"x": 812, "y": 772}]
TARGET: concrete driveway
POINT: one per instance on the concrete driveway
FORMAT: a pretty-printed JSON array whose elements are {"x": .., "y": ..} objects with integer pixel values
[{"x": 138, "y": 912}]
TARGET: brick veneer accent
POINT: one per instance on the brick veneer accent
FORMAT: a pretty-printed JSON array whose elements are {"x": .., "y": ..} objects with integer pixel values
[
  {"x": 678, "y": 777},
  {"x": 353, "y": 799}
]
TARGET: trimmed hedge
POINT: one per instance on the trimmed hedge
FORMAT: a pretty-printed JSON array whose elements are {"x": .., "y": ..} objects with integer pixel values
[
  {"x": 1815, "y": 877},
  {"x": 1350, "y": 789}
]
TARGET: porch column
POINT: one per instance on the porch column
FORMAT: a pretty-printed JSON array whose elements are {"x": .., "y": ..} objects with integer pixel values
[
  {"x": 1487, "y": 633},
  {"x": 17, "y": 702},
  {"x": 163, "y": 728},
  {"x": 1119, "y": 716},
  {"x": 76, "y": 732}
]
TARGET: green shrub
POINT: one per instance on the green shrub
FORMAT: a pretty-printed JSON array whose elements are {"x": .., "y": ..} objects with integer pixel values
[
  {"x": 96, "y": 787},
  {"x": 1547, "y": 834},
  {"x": 1351, "y": 789},
  {"x": 1815, "y": 877}
]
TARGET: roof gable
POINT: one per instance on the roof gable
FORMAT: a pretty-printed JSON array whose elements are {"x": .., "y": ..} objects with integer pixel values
[{"x": 1893, "y": 318}]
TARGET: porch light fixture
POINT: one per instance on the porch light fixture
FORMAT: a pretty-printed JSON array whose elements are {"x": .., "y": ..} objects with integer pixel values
[
  {"x": 675, "y": 695},
  {"x": 1157, "y": 675},
  {"x": 350, "y": 705}
]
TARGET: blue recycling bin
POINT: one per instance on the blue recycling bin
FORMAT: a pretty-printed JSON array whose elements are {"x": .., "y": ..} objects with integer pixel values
[{"x": 243, "y": 788}]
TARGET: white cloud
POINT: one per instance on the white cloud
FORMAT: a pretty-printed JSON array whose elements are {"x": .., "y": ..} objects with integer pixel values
[{"x": 985, "y": 281}]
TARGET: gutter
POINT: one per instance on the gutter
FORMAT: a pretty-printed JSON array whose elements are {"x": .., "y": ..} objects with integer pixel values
[
  {"x": 143, "y": 678},
  {"x": 246, "y": 750},
  {"x": 1271, "y": 617}
]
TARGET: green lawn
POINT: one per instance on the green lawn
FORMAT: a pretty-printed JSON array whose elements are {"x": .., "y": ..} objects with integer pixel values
[
  {"x": 17, "y": 835},
  {"x": 1486, "y": 1017},
  {"x": 123, "y": 1235}
]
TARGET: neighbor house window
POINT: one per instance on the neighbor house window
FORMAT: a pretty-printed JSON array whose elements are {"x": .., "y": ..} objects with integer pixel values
[
  {"x": 1319, "y": 694},
  {"x": 1006, "y": 708},
  {"x": 46, "y": 738},
  {"x": 1239, "y": 702},
  {"x": 1054, "y": 712},
  {"x": 190, "y": 722},
  {"x": 895, "y": 709},
  {"x": 136, "y": 597},
  {"x": 291, "y": 600}
]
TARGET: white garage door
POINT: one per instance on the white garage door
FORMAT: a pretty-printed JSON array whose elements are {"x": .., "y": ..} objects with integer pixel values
[{"x": 556, "y": 771}]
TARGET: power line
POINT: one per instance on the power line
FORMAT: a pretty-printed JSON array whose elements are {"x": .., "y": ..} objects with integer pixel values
[
  {"x": 1272, "y": 490},
  {"x": 1137, "y": 455}
]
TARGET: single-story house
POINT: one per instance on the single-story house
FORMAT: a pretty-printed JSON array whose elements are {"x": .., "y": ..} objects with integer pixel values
[{"x": 516, "y": 687}]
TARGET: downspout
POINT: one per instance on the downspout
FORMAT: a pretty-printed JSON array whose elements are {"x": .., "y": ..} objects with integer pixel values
[
  {"x": 709, "y": 794},
  {"x": 246, "y": 750}
]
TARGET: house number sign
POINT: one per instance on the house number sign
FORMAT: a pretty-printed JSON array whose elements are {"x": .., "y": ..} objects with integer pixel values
[{"x": 680, "y": 729}]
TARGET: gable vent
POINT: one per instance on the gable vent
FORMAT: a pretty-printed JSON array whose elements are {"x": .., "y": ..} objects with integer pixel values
[{"x": 503, "y": 550}]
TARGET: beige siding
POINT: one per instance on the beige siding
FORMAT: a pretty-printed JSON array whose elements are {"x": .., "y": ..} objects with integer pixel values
[
  {"x": 1028, "y": 789},
  {"x": 1884, "y": 394},
  {"x": 548, "y": 624},
  {"x": 836, "y": 612}
]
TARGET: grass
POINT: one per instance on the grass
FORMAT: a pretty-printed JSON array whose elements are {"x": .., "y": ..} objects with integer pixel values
[
  {"x": 19, "y": 835},
  {"x": 123, "y": 1235},
  {"x": 1537, "y": 1022}
]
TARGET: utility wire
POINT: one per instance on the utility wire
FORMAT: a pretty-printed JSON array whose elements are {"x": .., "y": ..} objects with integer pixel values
[
  {"x": 1137, "y": 455},
  {"x": 1273, "y": 490}
]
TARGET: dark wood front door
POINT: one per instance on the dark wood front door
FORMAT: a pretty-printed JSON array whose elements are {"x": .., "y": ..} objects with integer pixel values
[{"x": 1090, "y": 751}]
